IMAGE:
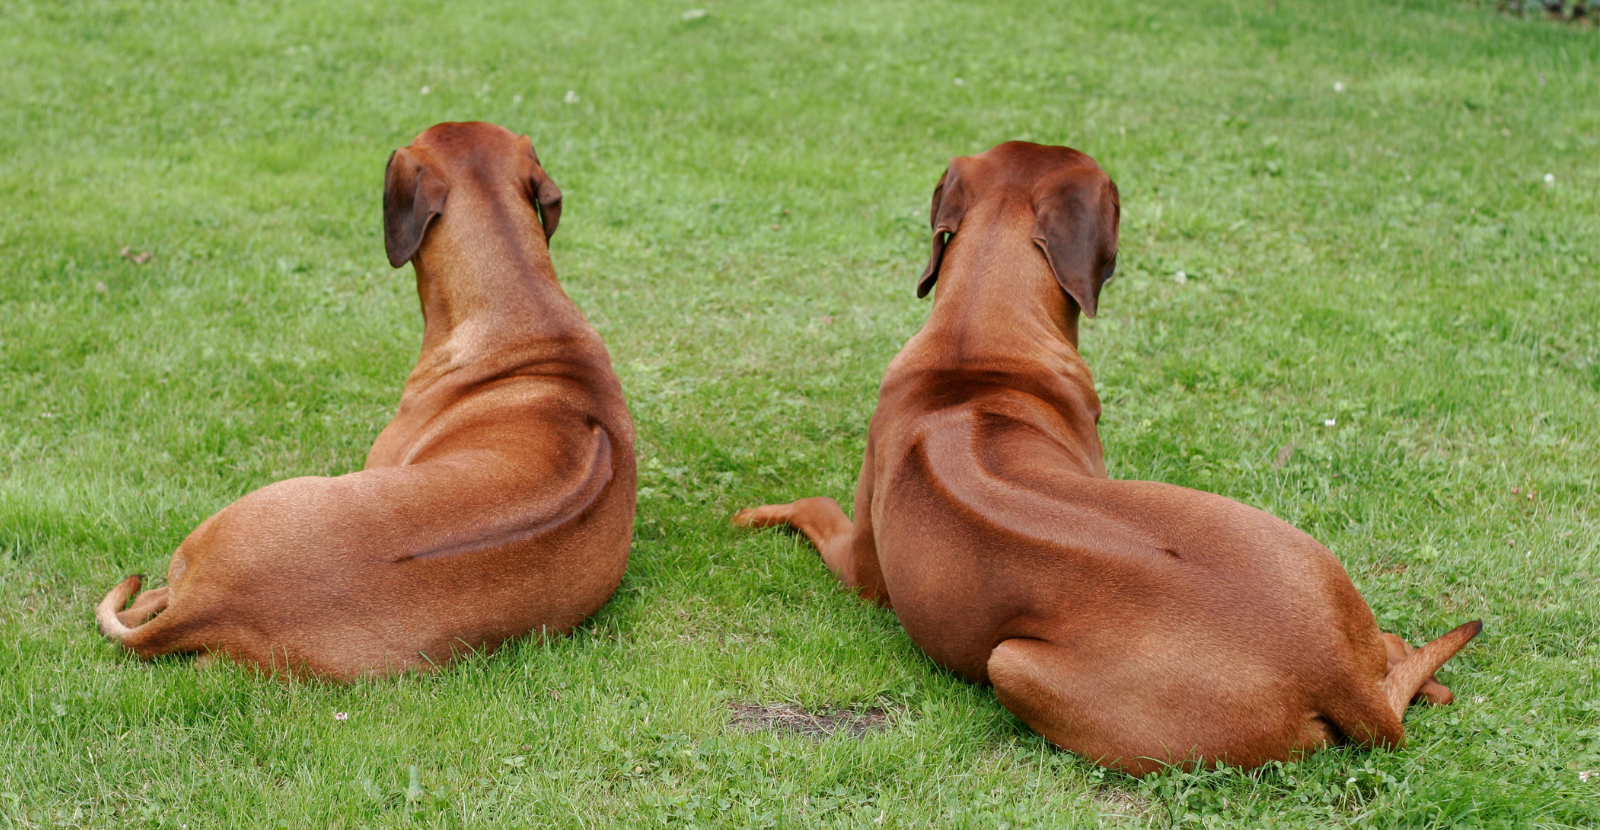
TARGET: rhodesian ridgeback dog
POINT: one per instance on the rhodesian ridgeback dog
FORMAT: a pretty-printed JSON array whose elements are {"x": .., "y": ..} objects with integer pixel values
[
  {"x": 1135, "y": 623},
  {"x": 498, "y": 502}
]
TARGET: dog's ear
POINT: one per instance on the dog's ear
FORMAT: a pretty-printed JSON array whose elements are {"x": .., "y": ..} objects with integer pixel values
[
  {"x": 1076, "y": 228},
  {"x": 544, "y": 194},
  {"x": 949, "y": 205},
  {"x": 413, "y": 193}
]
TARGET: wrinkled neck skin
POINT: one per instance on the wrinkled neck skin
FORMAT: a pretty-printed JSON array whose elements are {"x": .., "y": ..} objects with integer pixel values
[
  {"x": 488, "y": 291},
  {"x": 999, "y": 311}
]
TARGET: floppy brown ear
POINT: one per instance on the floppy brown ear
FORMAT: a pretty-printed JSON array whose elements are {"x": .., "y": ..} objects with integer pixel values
[
  {"x": 1076, "y": 228},
  {"x": 546, "y": 197},
  {"x": 412, "y": 195},
  {"x": 949, "y": 206}
]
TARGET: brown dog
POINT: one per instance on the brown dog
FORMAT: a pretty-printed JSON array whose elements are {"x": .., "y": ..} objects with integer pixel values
[
  {"x": 498, "y": 501},
  {"x": 1135, "y": 623}
]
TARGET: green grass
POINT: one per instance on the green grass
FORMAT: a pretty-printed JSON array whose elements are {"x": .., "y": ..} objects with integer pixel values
[{"x": 746, "y": 197}]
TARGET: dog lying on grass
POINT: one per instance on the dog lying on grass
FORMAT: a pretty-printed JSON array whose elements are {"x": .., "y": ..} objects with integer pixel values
[
  {"x": 498, "y": 502},
  {"x": 1136, "y": 623}
]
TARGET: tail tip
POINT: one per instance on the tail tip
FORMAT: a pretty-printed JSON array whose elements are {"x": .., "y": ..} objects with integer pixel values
[{"x": 128, "y": 587}]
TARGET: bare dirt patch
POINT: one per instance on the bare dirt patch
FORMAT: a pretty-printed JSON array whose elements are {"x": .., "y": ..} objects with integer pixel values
[
  {"x": 1120, "y": 803},
  {"x": 796, "y": 719}
]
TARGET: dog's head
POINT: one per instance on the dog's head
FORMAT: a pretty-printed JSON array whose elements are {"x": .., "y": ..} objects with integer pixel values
[
  {"x": 1075, "y": 211},
  {"x": 476, "y": 154}
]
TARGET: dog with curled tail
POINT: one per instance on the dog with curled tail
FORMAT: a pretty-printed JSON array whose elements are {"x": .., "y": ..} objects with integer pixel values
[
  {"x": 1135, "y": 623},
  {"x": 499, "y": 501}
]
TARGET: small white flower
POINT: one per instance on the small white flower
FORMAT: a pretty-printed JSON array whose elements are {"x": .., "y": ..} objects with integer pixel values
[
  {"x": 341, "y": 715},
  {"x": 426, "y": 90},
  {"x": 571, "y": 97},
  {"x": 1586, "y": 775},
  {"x": 959, "y": 82},
  {"x": 1180, "y": 277},
  {"x": 1549, "y": 178},
  {"x": 1338, "y": 86},
  {"x": 1330, "y": 422},
  {"x": 516, "y": 99}
]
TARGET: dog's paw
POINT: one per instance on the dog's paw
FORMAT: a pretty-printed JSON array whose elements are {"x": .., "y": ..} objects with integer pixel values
[
  {"x": 765, "y": 516},
  {"x": 1434, "y": 693}
]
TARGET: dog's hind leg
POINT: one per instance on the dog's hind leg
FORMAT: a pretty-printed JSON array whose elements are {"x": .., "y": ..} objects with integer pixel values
[
  {"x": 149, "y": 604},
  {"x": 1032, "y": 678},
  {"x": 1124, "y": 720}
]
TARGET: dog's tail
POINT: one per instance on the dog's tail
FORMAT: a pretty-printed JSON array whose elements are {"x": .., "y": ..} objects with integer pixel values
[
  {"x": 106, "y": 612},
  {"x": 1408, "y": 676}
]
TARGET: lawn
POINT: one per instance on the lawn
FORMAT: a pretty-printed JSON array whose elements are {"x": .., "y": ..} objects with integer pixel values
[{"x": 1367, "y": 232}]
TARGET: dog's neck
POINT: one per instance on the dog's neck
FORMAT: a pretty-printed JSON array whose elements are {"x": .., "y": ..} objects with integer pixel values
[
  {"x": 999, "y": 314},
  {"x": 488, "y": 287},
  {"x": 996, "y": 294}
]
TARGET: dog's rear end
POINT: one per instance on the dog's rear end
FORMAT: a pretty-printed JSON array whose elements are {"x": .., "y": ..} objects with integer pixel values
[{"x": 1136, "y": 623}]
